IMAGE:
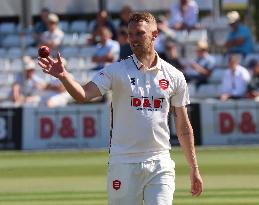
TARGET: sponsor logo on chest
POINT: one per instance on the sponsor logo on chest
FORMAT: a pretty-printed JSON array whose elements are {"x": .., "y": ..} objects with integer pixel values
[
  {"x": 150, "y": 103},
  {"x": 147, "y": 103}
]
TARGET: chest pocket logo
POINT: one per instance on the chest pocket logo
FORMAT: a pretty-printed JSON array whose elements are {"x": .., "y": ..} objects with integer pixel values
[{"x": 163, "y": 83}]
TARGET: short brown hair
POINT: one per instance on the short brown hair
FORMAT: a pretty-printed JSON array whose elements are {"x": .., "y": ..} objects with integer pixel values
[{"x": 143, "y": 16}]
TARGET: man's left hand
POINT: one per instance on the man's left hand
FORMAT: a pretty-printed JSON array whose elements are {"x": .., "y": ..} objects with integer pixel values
[{"x": 196, "y": 182}]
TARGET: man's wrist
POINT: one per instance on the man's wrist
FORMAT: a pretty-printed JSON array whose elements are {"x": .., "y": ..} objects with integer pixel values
[
  {"x": 194, "y": 167},
  {"x": 63, "y": 77}
]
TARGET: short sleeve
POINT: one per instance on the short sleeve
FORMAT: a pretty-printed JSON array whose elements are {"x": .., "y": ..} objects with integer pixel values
[
  {"x": 210, "y": 63},
  {"x": 116, "y": 50},
  {"x": 181, "y": 97},
  {"x": 18, "y": 79},
  {"x": 58, "y": 38},
  {"x": 103, "y": 79},
  {"x": 228, "y": 36},
  {"x": 175, "y": 16}
]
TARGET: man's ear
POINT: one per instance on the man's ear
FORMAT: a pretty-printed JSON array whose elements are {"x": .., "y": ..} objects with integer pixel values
[{"x": 154, "y": 34}]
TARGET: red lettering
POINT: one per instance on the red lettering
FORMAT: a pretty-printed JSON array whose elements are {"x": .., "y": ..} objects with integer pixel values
[
  {"x": 146, "y": 103},
  {"x": 157, "y": 103},
  {"x": 247, "y": 125},
  {"x": 136, "y": 102},
  {"x": 89, "y": 127},
  {"x": 226, "y": 123},
  {"x": 46, "y": 128},
  {"x": 66, "y": 130}
]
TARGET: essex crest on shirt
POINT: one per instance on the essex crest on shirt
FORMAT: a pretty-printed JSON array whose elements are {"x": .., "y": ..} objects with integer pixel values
[{"x": 163, "y": 83}]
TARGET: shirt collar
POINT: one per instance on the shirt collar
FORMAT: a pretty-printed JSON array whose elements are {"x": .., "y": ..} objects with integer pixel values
[{"x": 140, "y": 65}]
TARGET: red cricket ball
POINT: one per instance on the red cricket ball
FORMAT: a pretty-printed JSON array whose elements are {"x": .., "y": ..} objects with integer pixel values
[{"x": 44, "y": 51}]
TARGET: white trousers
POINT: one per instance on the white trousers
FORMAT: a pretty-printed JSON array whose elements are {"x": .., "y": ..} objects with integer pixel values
[{"x": 149, "y": 183}]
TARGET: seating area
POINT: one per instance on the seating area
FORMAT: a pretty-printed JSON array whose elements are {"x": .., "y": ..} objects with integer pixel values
[{"x": 78, "y": 52}]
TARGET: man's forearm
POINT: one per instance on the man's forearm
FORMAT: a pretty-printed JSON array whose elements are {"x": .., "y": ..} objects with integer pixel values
[
  {"x": 187, "y": 144},
  {"x": 74, "y": 88},
  {"x": 235, "y": 42},
  {"x": 186, "y": 139},
  {"x": 201, "y": 69},
  {"x": 185, "y": 134}
]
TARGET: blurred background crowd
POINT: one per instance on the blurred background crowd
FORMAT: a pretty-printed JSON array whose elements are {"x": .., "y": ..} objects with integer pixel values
[{"x": 219, "y": 56}]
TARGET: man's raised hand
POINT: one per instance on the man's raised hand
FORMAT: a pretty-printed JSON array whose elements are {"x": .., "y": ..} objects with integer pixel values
[{"x": 52, "y": 67}]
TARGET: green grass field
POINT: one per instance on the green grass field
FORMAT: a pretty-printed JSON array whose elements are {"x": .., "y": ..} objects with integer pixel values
[{"x": 231, "y": 177}]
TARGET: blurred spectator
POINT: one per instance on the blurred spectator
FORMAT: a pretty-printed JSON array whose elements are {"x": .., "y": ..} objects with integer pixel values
[
  {"x": 184, "y": 15},
  {"x": 199, "y": 71},
  {"x": 102, "y": 19},
  {"x": 55, "y": 94},
  {"x": 164, "y": 33},
  {"x": 124, "y": 16},
  {"x": 171, "y": 56},
  {"x": 239, "y": 40},
  {"x": 54, "y": 36},
  {"x": 27, "y": 85},
  {"x": 107, "y": 51},
  {"x": 41, "y": 26},
  {"x": 253, "y": 86},
  {"x": 123, "y": 40},
  {"x": 235, "y": 80}
]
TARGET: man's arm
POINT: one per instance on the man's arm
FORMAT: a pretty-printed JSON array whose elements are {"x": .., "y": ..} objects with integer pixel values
[
  {"x": 55, "y": 87},
  {"x": 235, "y": 42},
  {"x": 80, "y": 93},
  {"x": 107, "y": 58},
  {"x": 185, "y": 135},
  {"x": 200, "y": 69},
  {"x": 16, "y": 93}
]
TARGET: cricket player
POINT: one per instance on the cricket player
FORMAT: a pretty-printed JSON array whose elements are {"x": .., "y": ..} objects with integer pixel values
[{"x": 145, "y": 88}]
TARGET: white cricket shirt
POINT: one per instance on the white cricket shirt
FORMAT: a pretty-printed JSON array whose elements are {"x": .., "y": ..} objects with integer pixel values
[
  {"x": 141, "y": 99},
  {"x": 235, "y": 84}
]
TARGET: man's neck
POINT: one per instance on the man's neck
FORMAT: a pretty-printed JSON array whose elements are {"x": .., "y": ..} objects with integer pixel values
[{"x": 148, "y": 60}]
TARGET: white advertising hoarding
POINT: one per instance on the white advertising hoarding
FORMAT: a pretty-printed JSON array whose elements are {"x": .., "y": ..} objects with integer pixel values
[
  {"x": 229, "y": 123},
  {"x": 68, "y": 127}
]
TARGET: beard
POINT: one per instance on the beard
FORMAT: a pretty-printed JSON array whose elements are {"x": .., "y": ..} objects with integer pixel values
[{"x": 142, "y": 49}]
